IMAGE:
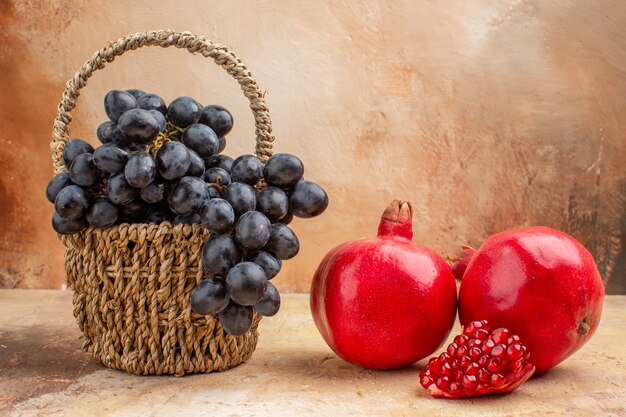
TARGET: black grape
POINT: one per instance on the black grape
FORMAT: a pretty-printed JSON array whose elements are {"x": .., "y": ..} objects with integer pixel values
[
  {"x": 193, "y": 219},
  {"x": 270, "y": 265},
  {"x": 102, "y": 134},
  {"x": 83, "y": 171},
  {"x": 158, "y": 215},
  {"x": 236, "y": 320},
  {"x": 213, "y": 192},
  {"x": 307, "y": 200},
  {"x": 56, "y": 184},
  {"x": 287, "y": 219},
  {"x": 269, "y": 304},
  {"x": 222, "y": 141},
  {"x": 201, "y": 139},
  {"x": 68, "y": 226},
  {"x": 196, "y": 165},
  {"x": 73, "y": 148},
  {"x": 183, "y": 111},
  {"x": 246, "y": 283},
  {"x": 110, "y": 159},
  {"x": 110, "y": 132},
  {"x": 71, "y": 202},
  {"x": 140, "y": 170},
  {"x": 217, "y": 176},
  {"x": 136, "y": 92},
  {"x": 160, "y": 118},
  {"x": 241, "y": 196},
  {"x": 136, "y": 209},
  {"x": 219, "y": 254},
  {"x": 252, "y": 231},
  {"x": 283, "y": 170},
  {"x": 118, "y": 102},
  {"x": 209, "y": 297},
  {"x": 102, "y": 213},
  {"x": 173, "y": 160},
  {"x": 283, "y": 243},
  {"x": 273, "y": 202},
  {"x": 139, "y": 126},
  {"x": 188, "y": 196},
  {"x": 119, "y": 191},
  {"x": 247, "y": 168},
  {"x": 152, "y": 102},
  {"x": 217, "y": 215},
  {"x": 152, "y": 193},
  {"x": 217, "y": 118},
  {"x": 219, "y": 161}
]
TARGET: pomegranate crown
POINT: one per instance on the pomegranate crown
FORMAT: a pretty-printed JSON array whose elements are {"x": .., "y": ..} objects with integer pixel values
[{"x": 397, "y": 220}]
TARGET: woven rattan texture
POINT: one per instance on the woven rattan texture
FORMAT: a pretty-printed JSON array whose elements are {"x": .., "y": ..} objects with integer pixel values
[{"x": 132, "y": 283}]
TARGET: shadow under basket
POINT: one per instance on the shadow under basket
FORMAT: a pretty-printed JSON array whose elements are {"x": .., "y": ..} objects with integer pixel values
[{"x": 132, "y": 286}]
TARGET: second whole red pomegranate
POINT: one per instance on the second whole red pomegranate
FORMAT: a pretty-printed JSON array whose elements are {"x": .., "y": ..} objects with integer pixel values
[
  {"x": 384, "y": 302},
  {"x": 539, "y": 283}
]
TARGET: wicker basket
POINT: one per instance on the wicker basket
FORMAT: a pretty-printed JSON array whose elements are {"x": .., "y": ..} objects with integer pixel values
[{"x": 132, "y": 283}]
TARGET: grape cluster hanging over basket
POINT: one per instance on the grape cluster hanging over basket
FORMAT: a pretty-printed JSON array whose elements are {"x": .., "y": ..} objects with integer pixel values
[{"x": 171, "y": 245}]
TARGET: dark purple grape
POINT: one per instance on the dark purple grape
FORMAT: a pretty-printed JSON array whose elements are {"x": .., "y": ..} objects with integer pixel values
[
  {"x": 222, "y": 142},
  {"x": 219, "y": 254},
  {"x": 283, "y": 170},
  {"x": 188, "y": 196},
  {"x": 270, "y": 265},
  {"x": 136, "y": 92},
  {"x": 110, "y": 159},
  {"x": 217, "y": 215},
  {"x": 71, "y": 202},
  {"x": 247, "y": 169},
  {"x": 273, "y": 202},
  {"x": 68, "y": 226},
  {"x": 269, "y": 304},
  {"x": 193, "y": 219},
  {"x": 201, "y": 139},
  {"x": 241, "y": 197},
  {"x": 246, "y": 283},
  {"x": 56, "y": 184},
  {"x": 283, "y": 243},
  {"x": 307, "y": 200},
  {"x": 139, "y": 126},
  {"x": 152, "y": 193},
  {"x": 183, "y": 111},
  {"x": 84, "y": 172},
  {"x": 109, "y": 132},
  {"x": 213, "y": 192},
  {"x": 217, "y": 118},
  {"x": 73, "y": 148},
  {"x": 209, "y": 297},
  {"x": 118, "y": 102},
  {"x": 119, "y": 191},
  {"x": 136, "y": 209},
  {"x": 236, "y": 320},
  {"x": 158, "y": 215},
  {"x": 173, "y": 160},
  {"x": 217, "y": 176},
  {"x": 152, "y": 102},
  {"x": 287, "y": 219},
  {"x": 252, "y": 231},
  {"x": 102, "y": 213},
  {"x": 219, "y": 161},
  {"x": 196, "y": 165},
  {"x": 140, "y": 170},
  {"x": 160, "y": 118}
]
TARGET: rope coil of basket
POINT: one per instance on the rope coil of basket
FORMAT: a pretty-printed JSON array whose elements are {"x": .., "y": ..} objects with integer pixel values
[{"x": 132, "y": 282}]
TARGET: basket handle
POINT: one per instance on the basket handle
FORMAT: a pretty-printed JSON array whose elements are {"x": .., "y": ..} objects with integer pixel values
[{"x": 163, "y": 38}]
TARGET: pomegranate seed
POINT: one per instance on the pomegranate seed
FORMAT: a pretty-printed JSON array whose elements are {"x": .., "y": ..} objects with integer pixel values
[
  {"x": 500, "y": 335},
  {"x": 478, "y": 362},
  {"x": 514, "y": 351},
  {"x": 469, "y": 382}
]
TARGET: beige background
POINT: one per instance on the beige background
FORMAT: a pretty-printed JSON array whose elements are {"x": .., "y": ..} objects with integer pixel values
[{"x": 486, "y": 115}]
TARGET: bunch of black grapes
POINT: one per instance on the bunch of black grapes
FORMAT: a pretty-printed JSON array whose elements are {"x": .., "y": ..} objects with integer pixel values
[{"x": 162, "y": 163}]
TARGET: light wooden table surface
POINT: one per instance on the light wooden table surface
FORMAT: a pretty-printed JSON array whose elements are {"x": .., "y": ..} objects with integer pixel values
[{"x": 44, "y": 372}]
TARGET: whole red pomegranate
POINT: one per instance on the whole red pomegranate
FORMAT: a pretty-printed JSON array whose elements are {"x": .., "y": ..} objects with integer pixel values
[
  {"x": 385, "y": 302},
  {"x": 541, "y": 284}
]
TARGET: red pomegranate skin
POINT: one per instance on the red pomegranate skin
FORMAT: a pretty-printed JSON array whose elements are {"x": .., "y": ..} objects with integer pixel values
[
  {"x": 540, "y": 283},
  {"x": 384, "y": 302}
]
